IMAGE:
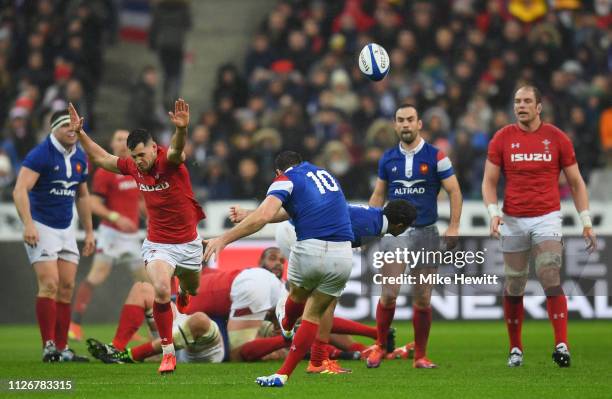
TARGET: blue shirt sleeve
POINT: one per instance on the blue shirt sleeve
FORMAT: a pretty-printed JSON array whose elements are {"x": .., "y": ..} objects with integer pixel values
[
  {"x": 382, "y": 172},
  {"x": 36, "y": 160}
]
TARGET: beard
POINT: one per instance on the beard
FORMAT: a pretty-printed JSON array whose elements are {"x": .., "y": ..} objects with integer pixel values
[{"x": 408, "y": 137}]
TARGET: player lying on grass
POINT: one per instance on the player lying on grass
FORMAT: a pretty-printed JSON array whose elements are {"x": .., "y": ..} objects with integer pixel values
[
  {"x": 367, "y": 222},
  {"x": 196, "y": 337},
  {"x": 237, "y": 295}
]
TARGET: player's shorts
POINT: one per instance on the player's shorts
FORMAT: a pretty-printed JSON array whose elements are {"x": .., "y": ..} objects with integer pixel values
[
  {"x": 118, "y": 247},
  {"x": 252, "y": 294},
  {"x": 426, "y": 238},
  {"x": 285, "y": 237},
  {"x": 203, "y": 350},
  {"x": 185, "y": 256},
  {"x": 518, "y": 234},
  {"x": 321, "y": 265},
  {"x": 54, "y": 244}
]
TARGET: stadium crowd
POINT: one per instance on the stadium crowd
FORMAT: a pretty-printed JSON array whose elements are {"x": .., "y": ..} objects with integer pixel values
[{"x": 300, "y": 88}]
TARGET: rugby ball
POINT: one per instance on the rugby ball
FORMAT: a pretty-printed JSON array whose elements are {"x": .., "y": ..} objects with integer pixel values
[{"x": 374, "y": 62}]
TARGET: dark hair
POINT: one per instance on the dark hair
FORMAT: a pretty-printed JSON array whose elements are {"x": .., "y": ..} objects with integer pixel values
[
  {"x": 400, "y": 211},
  {"x": 287, "y": 159},
  {"x": 58, "y": 114},
  {"x": 536, "y": 92},
  {"x": 265, "y": 254},
  {"x": 407, "y": 105},
  {"x": 138, "y": 136}
]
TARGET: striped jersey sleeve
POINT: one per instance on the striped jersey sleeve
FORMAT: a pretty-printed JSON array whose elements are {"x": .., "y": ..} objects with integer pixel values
[
  {"x": 444, "y": 166},
  {"x": 281, "y": 187}
]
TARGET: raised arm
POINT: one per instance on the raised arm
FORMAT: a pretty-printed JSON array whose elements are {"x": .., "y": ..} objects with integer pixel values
[
  {"x": 97, "y": 155},
  {"x": 180, "y": 118},
  {"x": 380, "y": 193},
  {"x": 26, "y": 179},
  {"x": 489, "y": 195}
]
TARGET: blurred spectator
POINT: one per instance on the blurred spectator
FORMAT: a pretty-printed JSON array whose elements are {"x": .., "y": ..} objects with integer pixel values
[
  {"x": 249, "y": 185},
  {"x": 230, "y": 85},
  {"x": 168, "y": 36},
  {"x": 144, "y": 111}
]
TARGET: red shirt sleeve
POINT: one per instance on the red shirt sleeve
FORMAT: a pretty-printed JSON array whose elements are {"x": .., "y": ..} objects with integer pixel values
[
  {"x": 495, "y": 153},
  {"x": 100, "y": 184},
  {"x": 567, "y": 155},
  {"x": 124, "y": 164}
]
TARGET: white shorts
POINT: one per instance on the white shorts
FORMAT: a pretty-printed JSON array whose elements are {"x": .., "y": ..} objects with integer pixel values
[
  {"x": 200, "y": 351},
  {"x": 519, "y": 234},
  {"x": 254, "y": 292},
  {"x": 321, "y": 265},
  {"x": 285, "y": 237},
  {"x": 187, "y": 256},
  {"x": 54, "y": 244},
  {"x": 118, "y": 247}
]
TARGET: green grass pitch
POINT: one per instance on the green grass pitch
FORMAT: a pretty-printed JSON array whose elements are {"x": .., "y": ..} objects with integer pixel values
[{"x": 471, "y": 355}]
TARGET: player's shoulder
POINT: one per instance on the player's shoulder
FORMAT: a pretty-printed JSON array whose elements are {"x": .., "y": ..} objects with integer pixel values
[
  {"x": 506, "y": 130},
  {"x": 549, "y": 128},
  {"x": 432, "y": 151},
  {"x": 44, "y": 148},
  {"x": 391, "y": 153}
]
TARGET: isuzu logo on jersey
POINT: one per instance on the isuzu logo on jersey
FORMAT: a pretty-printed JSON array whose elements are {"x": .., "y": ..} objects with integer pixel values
[
  {"x": 157, "y": 187},
  {"x": 408, "y": 187},
  {"x": 531, "y": 157}
]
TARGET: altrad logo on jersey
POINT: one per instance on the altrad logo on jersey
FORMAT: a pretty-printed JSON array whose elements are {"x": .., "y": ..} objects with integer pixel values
[
  {"x": 408, "y": 187},
  {"x": 67, "y": 189}
]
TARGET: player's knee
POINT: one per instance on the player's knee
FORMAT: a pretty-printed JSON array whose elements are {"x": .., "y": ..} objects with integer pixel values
[
  {"x": 515, "y": 286},
  {"x": 548, "y": 260},
  {"x": 421, "y": 301},
  {"x": 162, "y": 291},
  {"x": 388, "y": 300},
  {"x": 48, "y": 288}
]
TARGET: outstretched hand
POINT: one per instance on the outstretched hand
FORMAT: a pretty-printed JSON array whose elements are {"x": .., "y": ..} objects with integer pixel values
[
  {"x": 180, "y": 116},
  {"x": 76, "y": 122}
]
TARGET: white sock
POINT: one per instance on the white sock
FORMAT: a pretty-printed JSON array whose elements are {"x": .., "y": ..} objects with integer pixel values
[{"x": 168, "y": 349}]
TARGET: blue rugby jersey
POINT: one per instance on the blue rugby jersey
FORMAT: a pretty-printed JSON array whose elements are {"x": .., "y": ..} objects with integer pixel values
[
  {"x": 416, "y": 176},
  {"x": 314, "y": 200},
  {"x": 61, "y": 172}
]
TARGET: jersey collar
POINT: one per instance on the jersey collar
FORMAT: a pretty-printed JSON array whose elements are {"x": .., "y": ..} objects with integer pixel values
[
  {"x": 414, "y": 151},
  {"x": 58, "y": 146},
  {"x": 385, "y": 225}
]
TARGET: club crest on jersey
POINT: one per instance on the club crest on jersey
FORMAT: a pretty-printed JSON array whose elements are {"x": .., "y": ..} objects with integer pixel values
[
  {"x": 424, "y": 168},
  {"x": 546, "y": 142},
  {"x": 158, "y": 187},
  {"x": 78, "y": 168}
]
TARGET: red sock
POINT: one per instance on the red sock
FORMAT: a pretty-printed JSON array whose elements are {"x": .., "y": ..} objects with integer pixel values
[
  {"x": 556, "y": 305},
  {"x": 260, "y": 347},
  {"x": 45, "y": 315},
  {"x": 130, "y": 320},
  {"x": 62, "y": 323},
  {"x": 514, "y": 314},
  {"x": 162, "y": 313},
  {"x": 319, "y": 352},
  {"x": 357, "y": 347},
  {"x": 141, "y": 352},
  {"x": 384, "y": 317},
  {"x": 344, "y": 326},
  {"x": 421, "y": 321},
  {"x": 304, "y": 337},
  {"x": 293, "y": 311},
  {"x": 82, "y": 299}
]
